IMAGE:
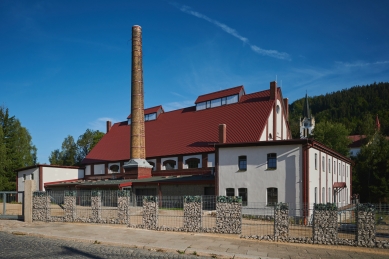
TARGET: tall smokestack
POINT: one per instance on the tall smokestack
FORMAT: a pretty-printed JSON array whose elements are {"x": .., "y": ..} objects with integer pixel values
[
  {"x": 137, "y": 103},
  {"x": 137, "y": 167}
]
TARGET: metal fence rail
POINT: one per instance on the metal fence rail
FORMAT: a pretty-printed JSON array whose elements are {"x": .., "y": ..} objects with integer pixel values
[
  {"x": 258, "y": 219},
  {"x": 11, "y": 207}
]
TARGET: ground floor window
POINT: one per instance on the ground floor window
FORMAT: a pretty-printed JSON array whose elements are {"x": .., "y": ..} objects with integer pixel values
[
  {"x": 272, "y": 196},
  {"x": 242, "y": 192},
  {"x": 230, "y": 192}
]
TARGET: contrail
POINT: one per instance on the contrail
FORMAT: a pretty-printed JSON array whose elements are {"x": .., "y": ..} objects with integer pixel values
[{"x": 233, "y": 32}]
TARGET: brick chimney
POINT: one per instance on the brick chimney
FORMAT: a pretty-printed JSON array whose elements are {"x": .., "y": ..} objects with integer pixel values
[
  {"x": 109, "y": 125},
  {"x": 137, "y": 167},
  {"x": 273, "y": 90},
  {"x": 222, "y": 133}
]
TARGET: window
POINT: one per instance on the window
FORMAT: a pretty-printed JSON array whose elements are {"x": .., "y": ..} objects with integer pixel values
[
  {"x": 323, "y": 195},
  {"x": 192, "y": 162},
  {"x": 329, "y": 194},
  {"x": 32, "y": 176},
  {"x": 151, "y": 116},
  {"x": 242, "y": 163},
  {"x": 272, "y": 196},
  {"x": 315, "y": 194},
  {"x": 24, "y": 177},
  {"x": 230, "y": 192},
  {"x": 114, "y": 169},
  {"x": 329, "y": 165},
  {"x": 334, "y": 167},
  {"x": 346, "y": 171},
  {"x": 315, "y": 161},
  {"x": 152, "y": 164},
  {"x": 323, "y": 164},
  {"x": 343, "y": 170},
  {"x": 169, "y": 164},
  {"x": 242, "y": 192},
  {"x": 339, "y": 168},
  {"x": 272, "y": 161},
  {"x": 224, "y": 100},
  {"x": 278, "y": 109}
]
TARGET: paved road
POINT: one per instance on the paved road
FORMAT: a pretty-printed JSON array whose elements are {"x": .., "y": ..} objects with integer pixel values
[{"x": 20, "y": 246}]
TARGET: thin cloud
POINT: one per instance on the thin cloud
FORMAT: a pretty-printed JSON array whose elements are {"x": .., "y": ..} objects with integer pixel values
[
  {"x": 177, "y": 105},
  {"x": 362, "y": 64},
  {"x": 100, "y": 123},
  {"x": 233, "y": 32}
]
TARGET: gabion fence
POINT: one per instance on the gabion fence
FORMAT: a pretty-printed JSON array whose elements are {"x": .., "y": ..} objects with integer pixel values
[{"x": 355, "y": 224}]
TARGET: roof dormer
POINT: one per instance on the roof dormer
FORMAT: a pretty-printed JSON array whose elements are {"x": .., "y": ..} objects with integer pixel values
[
  {"x": 223, "y": 97},
  {"x": 150, "y": 113}
]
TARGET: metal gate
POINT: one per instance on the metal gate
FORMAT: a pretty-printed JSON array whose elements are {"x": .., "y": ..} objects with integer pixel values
[{"x": 11, "y": 205}]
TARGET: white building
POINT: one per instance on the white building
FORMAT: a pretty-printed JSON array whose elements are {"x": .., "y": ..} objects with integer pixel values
[
  {"x": 307, "y": 124},
  {"x": 300, "y": 172}
]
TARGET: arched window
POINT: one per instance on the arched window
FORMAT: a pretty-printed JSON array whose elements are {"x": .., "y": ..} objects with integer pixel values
[
  {"x": 152, "y": 164},
  {"x": 329, "y": 194},
  {"x": 169, "y": 164},
  {"x": 192, "y": 162},
  {"x": 323, "y": 195},
  {"x": 114, "y": 169},
  {"x": 323, "y": 164},
  {"x": 272, "y": 196},
  {"x": 242, "y": 163}
]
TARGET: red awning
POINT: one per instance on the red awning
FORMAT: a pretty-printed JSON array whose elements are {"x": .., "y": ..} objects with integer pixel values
[{"x": 339, "y": 185}]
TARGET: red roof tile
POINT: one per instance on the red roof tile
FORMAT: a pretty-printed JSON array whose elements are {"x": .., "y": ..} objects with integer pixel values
[
  {"x": 150, "y": 110},
  {"x": 219, "y": 94},
  {"x": 187, "y": 131}
]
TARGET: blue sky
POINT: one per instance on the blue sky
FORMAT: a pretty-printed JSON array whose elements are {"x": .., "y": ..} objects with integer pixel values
[{"x": 65, "y": 65}]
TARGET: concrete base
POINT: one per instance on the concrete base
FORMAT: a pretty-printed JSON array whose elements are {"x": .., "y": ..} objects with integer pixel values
[{"x": 138, "y": 169}]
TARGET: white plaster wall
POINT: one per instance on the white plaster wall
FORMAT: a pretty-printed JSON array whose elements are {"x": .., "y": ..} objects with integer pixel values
[
  {"x": 185, "y": 166},
  {"x": 313, "y": 175},
  {"x": 211, "y": 160},
  {"x": 109, "y": 166},
  {"x": 257, "y": 178},
  {"x": 263, "y": 136},
  {"x": 169, "y": 158},
  {"x": 53, "y": 174},
  {"x": 155, "y": 163},
  {"x": 99, "y": 169},
  {"x": 28, "y": 173},
  {"x": 87, "y": 170}
]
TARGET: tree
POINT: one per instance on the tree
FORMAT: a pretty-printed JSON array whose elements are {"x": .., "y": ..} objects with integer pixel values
[
  {"x": 371, "y": 170},
  {"x": 86, "y": 142},
  {"x": 333, "y": 135},
  {"x": 16, "y": 149},
  {"x": 73, "y": 153}
]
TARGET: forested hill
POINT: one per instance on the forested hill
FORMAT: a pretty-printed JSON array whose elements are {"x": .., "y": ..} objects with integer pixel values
[{"x": 353, "y": 107}]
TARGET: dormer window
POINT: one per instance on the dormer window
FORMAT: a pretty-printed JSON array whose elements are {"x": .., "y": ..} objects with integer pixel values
[
  {"x": 217, "y": 102},
  {"x": 151, "y": 116},
  {"x": 216, "y": 99}
]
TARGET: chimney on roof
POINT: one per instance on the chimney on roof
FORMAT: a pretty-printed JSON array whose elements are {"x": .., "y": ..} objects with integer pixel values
[
  {"x": 137, "y": 167},
  {"x": 222, "y": 133},
  {"x": 273, "y": 90},
  {"x": 109, "y": 125},
  {"x": 286, "y": 104}
]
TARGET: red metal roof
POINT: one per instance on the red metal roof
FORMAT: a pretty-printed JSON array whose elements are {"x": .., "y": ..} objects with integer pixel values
[
  {"x": 187, "y": 131},
  {"x": 150, "y": 110},
  {"x": 357, "y": 141},
  {"x": 219, "y": 94}
]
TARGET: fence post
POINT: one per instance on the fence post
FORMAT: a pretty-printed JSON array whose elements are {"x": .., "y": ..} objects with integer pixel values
[
  {"x": 229, "y": 215},
  {"x": 150, "y": 212},
  {"x": 325, "y": 224},
  {"x": 281, "y": 222},
  {"x": 365, "y": 225},
  {"x": 123, "y": 206},
  {"x": 29, "y": 187},
  {"x": 96, "y": 206},
  {"x": 70, "y": 205},
  {"x": 192, "y": 213}
]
